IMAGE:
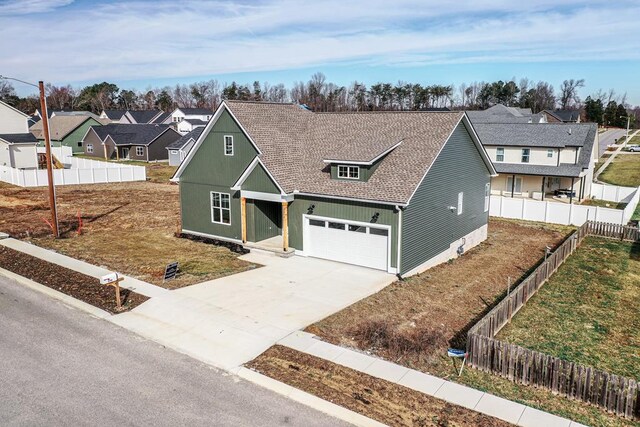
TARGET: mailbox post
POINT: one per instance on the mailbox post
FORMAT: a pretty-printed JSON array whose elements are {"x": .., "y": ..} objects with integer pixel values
[{"x": 112, "y": 279}]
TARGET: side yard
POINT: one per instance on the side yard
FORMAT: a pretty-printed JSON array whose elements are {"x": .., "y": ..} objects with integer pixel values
[
  {"x": 413, "y": 322},
  {"x": 127, "y": 227},
  {"x": 589, "y": 312},
  {"x": 624, "y": 170}
]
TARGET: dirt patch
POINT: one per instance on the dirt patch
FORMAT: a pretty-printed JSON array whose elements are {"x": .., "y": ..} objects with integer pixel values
[
  {"x": 448, "y": 298},
  {"x": 77, "y": 285},
  {"x": 126, "y": 227},
  {"x": 378, "y": 399}
]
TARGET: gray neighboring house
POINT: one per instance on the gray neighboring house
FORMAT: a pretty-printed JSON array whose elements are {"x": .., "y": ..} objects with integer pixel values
[
  {"x": 143, "y": 142},
  {"x": 502, "y": 114},
  {"x": 562, "y": 116},
  {"x": 394, "y": 191},
  {"x": 179, "y": 149}
]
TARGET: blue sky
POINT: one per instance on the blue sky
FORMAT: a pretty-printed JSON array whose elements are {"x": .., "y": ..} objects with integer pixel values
[{"x": 137, "y": 44}]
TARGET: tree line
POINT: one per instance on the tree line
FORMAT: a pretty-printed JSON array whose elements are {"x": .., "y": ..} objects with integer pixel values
[{"x": 321, "y": 95}]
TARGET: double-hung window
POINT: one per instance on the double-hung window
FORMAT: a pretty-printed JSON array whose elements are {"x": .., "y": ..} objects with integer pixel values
[
  {"x": 89, "y": 148},
  {"x": 220, "y": 208},
  {"x": 348, "y": 172},
  {"x": 228, "y": 145},
  {"x": 139, "y": 151},
  {"x": 550, "y": 153},
  {"x": 525, "y": 155},
  {"x": 500, "y": 154}
]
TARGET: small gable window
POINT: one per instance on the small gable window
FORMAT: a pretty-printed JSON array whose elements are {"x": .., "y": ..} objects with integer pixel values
[
  {"x": 348, "y": 172},
  {"x": 89, "y": 148},
  {"x": 139, "y": 151},
  {"x": 228, "y": 145}
]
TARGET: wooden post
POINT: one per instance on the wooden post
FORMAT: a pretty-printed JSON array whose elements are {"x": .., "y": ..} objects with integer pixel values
[
  {"x": 104, "y": 145},
  {"x": 116, "y": 285},
  {"x": 285, "y": 226},
  {"x": 243, "y": 213},
  {"x": 47, "y": 144},
  {"x": 509, "y": 296},
  {"x": 117, "y": 153}
]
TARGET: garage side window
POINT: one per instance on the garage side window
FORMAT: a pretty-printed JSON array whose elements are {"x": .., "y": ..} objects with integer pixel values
[{"x": 220, "y": 208}]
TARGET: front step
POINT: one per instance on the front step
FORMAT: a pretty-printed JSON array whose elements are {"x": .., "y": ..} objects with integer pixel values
[{"x": 276, "y": 251}]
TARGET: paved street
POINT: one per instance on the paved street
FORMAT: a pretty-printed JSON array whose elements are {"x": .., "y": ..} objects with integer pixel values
[
  {"x": 59, "y": 366},
  {"x": 609, "y": 137}
]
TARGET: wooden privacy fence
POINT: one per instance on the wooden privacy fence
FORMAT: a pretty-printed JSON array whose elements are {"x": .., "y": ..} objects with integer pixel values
[{"x": 616, "y": 394}]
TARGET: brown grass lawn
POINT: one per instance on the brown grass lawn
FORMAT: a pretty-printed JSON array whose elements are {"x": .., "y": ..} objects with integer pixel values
[
  {"x": 623, "y": 170},
  {"x": 604, "y": 203},
  {"x": 127, "y": 227},
  {"x": 589, "y": 312},
  {"x": 412, "y": 322}
]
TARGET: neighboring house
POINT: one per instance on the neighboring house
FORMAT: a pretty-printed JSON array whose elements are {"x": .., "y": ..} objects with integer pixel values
[
  {"x": 395, "y": 191},
  {"x": 503, "y": 114},
  {"x": 19, "y": 150},
  {"x": 562, "y": 116},
  {"x": 53, "y": 113},
  {"x": 195, "y": 117},
  {"x": 66, "y": 130},
  {"x": 143, "y": 116},
  {"x": 144, "y": 142},
  {"x": 187, "y": 125},
  {"x": 541, "y": 160},
  {"x": 179, "y": 149},
  {"x": 18, "y": 147},
  {"x": 114, "y": 116}
]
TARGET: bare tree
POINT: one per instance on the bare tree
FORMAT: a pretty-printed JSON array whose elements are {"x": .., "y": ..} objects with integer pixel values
[{"x": 569, "y": 93}]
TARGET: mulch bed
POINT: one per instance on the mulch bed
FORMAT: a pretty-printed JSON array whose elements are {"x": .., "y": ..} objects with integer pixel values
[
  {"x": 378, "y": 399},
  {"x": 72, "y": 283}
]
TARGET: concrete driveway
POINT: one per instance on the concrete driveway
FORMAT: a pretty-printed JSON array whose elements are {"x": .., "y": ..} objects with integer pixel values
[{"x": 229, "y": 321}]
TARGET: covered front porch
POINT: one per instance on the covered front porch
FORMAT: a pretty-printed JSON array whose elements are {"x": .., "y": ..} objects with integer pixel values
[
  {"x": 563, "y": 189},
  {"x": 265, "y": 222}
]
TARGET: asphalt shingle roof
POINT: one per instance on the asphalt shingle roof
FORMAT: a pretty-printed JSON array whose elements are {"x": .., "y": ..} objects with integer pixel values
[
  {"x": 59, "y": 126},
  {"x": 115, "y": 114},
  {"x": 162, "y": 117},
  {"x": 565, "y": 115},
  {"x": 564, "y": 170},
  {"x": 131, "y": 134},
  {"x": 295, "y": 141},
  {"x": 196, "y": 121},
  {"x": 196, "y": 111},
  {"x": 502, "y": 114},
  {"x": 143, "y": 116},
  {"x": 19, "y": 138},
  {"x": 194, "y": 134}
]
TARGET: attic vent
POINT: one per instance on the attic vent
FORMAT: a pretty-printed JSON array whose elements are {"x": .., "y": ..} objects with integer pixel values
[{"x": 569, "y": 131}]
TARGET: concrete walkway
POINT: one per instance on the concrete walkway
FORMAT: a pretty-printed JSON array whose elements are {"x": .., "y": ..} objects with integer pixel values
[
  {"x": 457, "y": 394},
  {"x": 135, "y": 285}
]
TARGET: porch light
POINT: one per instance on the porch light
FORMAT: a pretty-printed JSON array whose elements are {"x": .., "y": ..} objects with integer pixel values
[{"x": 310, "y": 209}]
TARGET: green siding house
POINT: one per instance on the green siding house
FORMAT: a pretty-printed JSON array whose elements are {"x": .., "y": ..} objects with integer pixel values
[
  {"x": 395, "y": 191},
  {"x": 66, "y": 131}
]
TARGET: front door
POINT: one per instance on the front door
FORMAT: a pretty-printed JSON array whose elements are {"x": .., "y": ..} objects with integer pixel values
[{"x": 125, "y": 153}]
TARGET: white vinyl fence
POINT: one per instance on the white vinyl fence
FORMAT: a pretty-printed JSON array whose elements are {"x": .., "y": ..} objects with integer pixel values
[
  {"x": 82, "y": 171},
  {"x": 612, "y": 193},
  {"x": 560, "y": 213},
  {"x": 59, "y": 152}
]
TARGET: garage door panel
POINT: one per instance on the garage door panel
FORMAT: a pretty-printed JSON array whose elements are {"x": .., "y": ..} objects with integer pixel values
[{"x": 355, "y": 244}]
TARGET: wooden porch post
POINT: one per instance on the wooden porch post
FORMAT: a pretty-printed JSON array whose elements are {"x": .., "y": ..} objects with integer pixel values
[
  {"x": 285, "y": 226},
  {"x": 117, "y": 152},
  {"x": 243, "y": 213}
]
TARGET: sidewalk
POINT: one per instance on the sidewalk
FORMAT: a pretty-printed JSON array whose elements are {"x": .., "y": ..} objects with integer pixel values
[
  {"x": 130, "y": 283},
  {"x": 457, "y": 394}
]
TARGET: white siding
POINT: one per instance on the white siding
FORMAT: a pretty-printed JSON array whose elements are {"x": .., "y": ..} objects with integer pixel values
[{"x": 12, "y": 121}]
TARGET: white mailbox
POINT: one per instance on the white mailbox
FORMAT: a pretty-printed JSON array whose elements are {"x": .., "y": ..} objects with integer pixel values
[{"x": 109, "y": 278}]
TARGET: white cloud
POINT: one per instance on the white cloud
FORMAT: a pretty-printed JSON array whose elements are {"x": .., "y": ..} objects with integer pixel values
[
  {"x": 150, "y": 40},
  {"x": 23, "y": 7}
]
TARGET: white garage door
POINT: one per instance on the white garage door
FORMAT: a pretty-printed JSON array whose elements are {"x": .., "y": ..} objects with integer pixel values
[{"x": 359, "y": 244}]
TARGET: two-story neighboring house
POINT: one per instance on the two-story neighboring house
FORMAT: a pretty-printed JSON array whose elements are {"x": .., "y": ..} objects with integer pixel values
[
  {"x": 188, "y": 119},
  {"x": 541, "y": 160},
  {"x": 395, "y": 191},
  {"x": 562, "y": 116}
]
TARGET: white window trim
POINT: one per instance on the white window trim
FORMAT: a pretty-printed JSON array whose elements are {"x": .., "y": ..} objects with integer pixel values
[
  {"x": 138, "y": 149},
  {"x": 550, "y": 153},
  {"x": 90, "y": 148},
  {"x": 460, "y": 202},
  {"x": 220, "y": 207},
  {"x": 528, "y": 155},
  {"x": 225, "y": 145},
  {"x": 349, "y": 168},
  {"x": 499, "y": 154},
  {"x": 487, "y": 196}
]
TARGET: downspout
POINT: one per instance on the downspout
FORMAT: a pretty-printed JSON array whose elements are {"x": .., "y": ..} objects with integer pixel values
[{"x": 399, "y": 240}]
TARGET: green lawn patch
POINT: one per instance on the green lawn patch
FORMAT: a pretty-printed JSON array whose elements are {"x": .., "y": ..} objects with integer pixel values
[
  {"x": 604, "y": 204},
  {"x": 589, "y": 312},
  {"x": 624, "y": 170}
]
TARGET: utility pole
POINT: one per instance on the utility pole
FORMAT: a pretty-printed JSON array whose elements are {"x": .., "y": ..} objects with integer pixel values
[{"x": 47, "y": 144}]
